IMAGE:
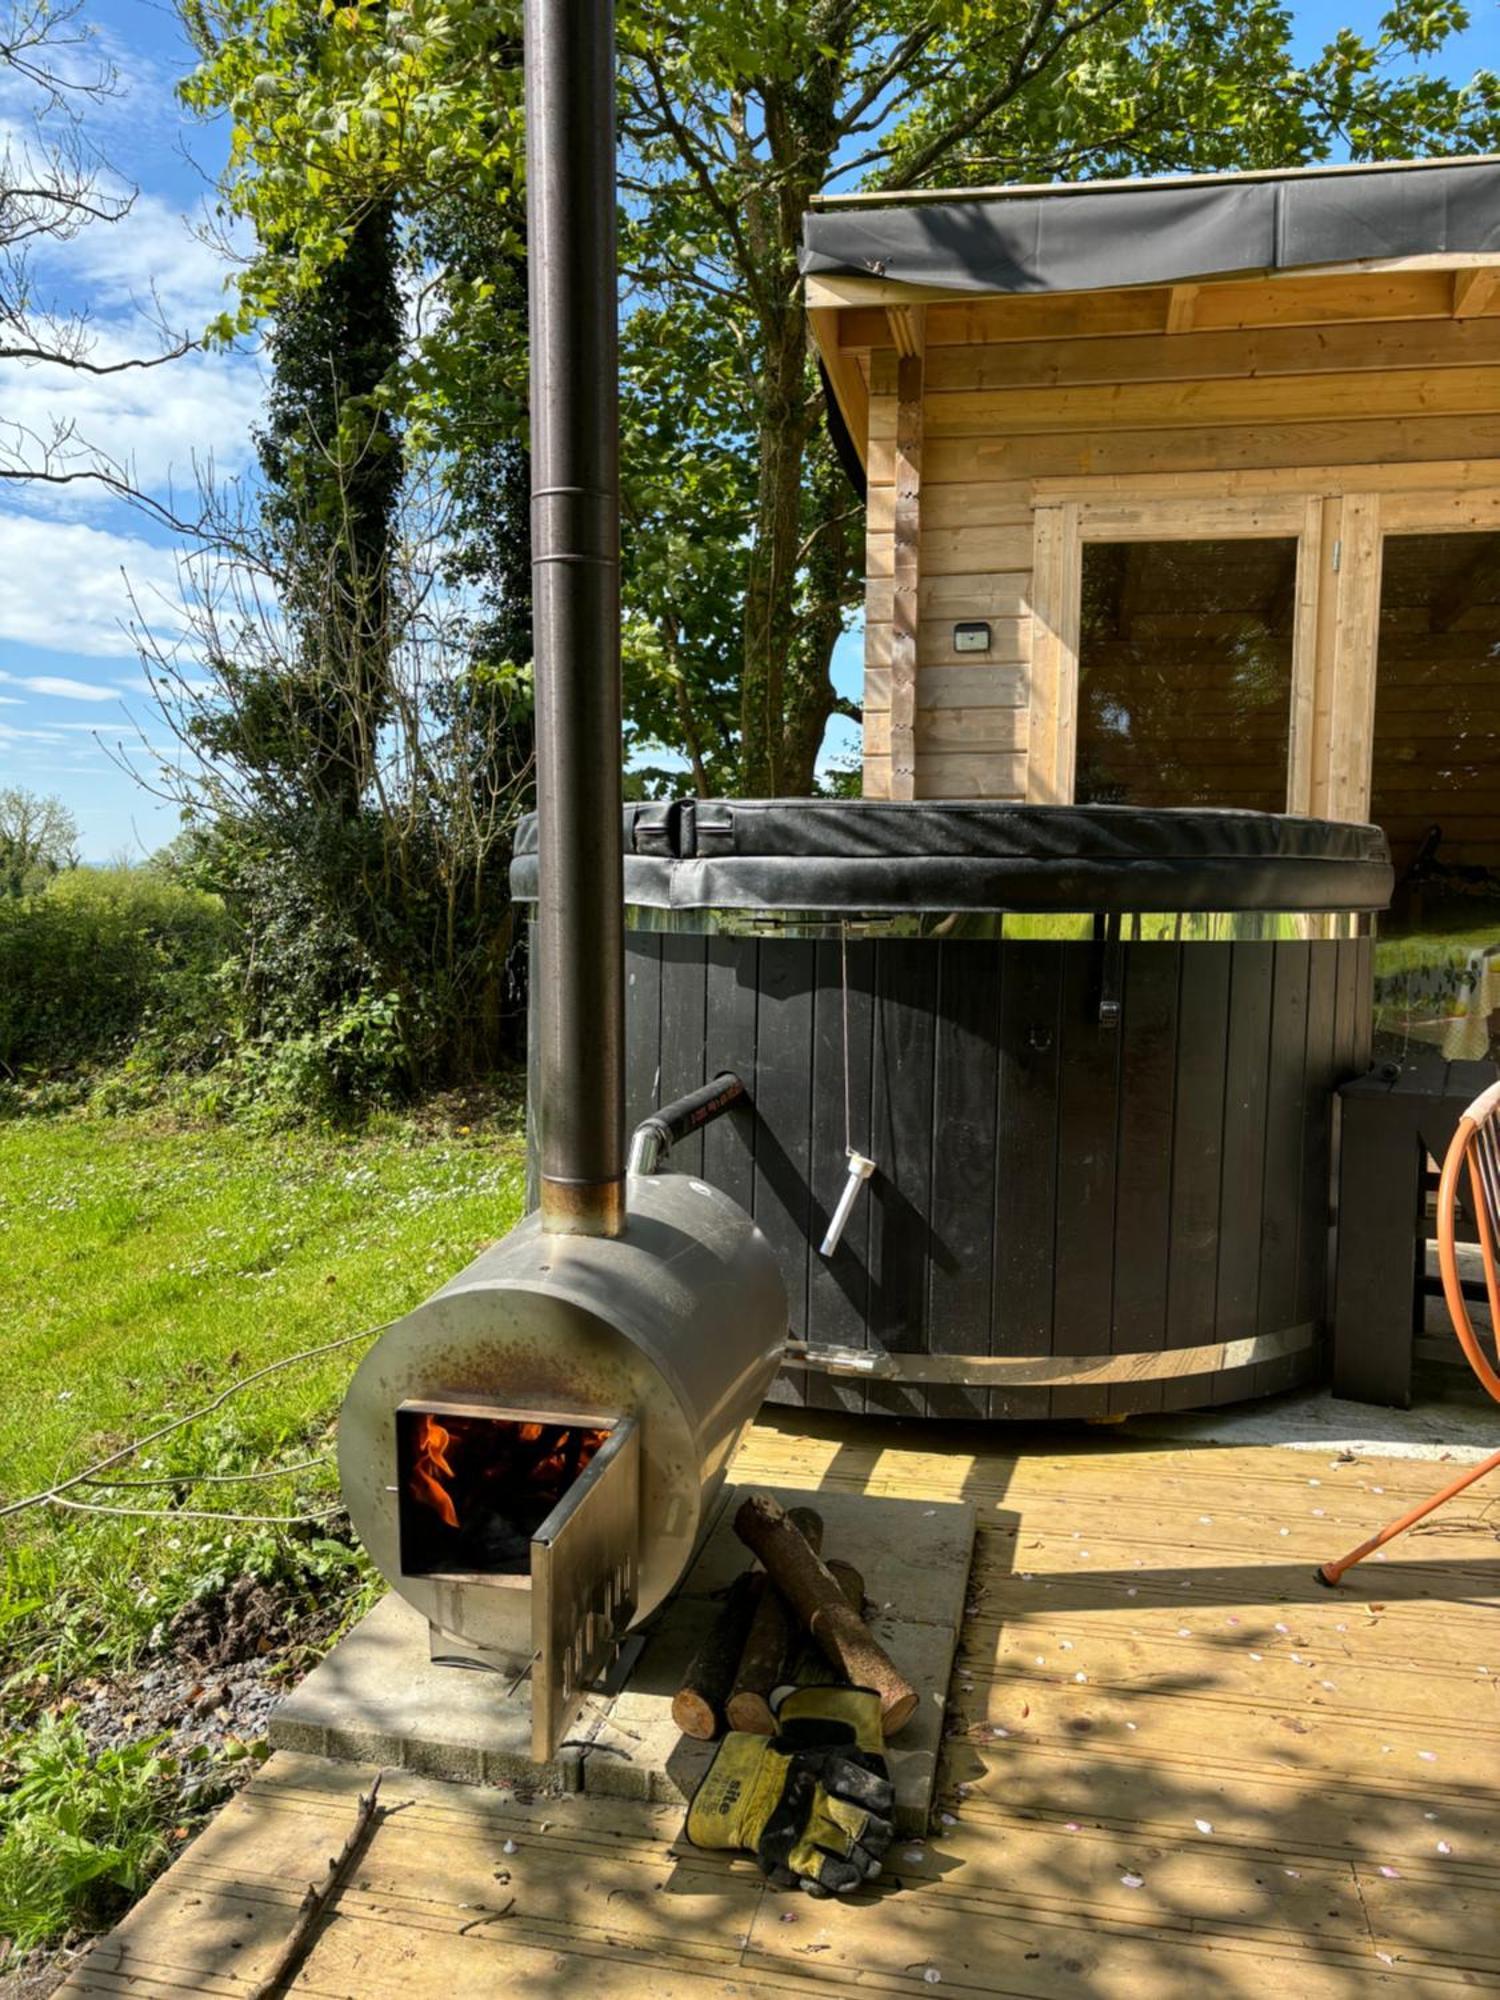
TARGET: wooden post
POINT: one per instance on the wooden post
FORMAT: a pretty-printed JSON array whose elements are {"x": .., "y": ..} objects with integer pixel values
[
  {"x": 1056, "y": 599},
  {"x": 1356, "y": 590},
  {"x": 908, "y": 327},
  {"x": 1301, "y": 737}
]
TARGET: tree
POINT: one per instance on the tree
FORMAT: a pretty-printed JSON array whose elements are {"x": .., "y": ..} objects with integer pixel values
[
  {"x": 411, "y": 112},
  {"x": 742, "y": 548},
  {"x": 331, "y": 458},
  {"x": 372, "y": 900},
  {"x": 38, "y": 840}
]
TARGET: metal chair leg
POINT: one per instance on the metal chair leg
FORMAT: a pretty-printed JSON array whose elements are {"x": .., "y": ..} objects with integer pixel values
[{"x": 1331, "y": 1572}]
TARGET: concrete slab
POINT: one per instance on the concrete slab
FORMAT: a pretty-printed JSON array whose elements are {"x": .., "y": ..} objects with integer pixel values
[
  {"x": 1449, "y": 1432},
  {"x": 379, "y": 1699}
]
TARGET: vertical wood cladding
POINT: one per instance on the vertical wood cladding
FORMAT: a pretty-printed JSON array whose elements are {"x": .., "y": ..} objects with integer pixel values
[{"x": 1046, "y": 1184}]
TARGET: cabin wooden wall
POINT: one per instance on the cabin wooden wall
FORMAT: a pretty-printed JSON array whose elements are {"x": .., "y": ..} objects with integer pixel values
[{"x": 1331, "y": 400}]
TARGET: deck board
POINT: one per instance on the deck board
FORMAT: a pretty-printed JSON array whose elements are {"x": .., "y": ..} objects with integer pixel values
[{"x": 1215, "y": 1801}]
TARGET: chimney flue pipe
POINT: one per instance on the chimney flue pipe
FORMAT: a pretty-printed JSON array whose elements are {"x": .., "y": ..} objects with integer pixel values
[{"x": 578, "y": 988}]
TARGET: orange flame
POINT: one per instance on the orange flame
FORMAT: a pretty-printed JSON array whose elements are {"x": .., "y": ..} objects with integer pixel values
[{"x": 432, "y": 1459}]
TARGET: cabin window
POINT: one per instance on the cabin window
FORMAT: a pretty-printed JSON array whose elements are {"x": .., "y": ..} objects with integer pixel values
[
  {"x": 1185, "y": 672},
  {"x": 1435, "y": 788}
]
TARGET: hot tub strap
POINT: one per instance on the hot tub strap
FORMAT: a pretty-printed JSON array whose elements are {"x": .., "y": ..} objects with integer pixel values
[{"x": 1111, "y": 972}]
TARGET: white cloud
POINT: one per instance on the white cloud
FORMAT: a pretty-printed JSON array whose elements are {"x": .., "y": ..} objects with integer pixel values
[
  {"x": 59, "y": 686},
  {"x": 10, "y": 735},
  {"x": 161, "y": 423},
  {"x": 62, "y": 587},
  {"x": 154, "y": 251}
]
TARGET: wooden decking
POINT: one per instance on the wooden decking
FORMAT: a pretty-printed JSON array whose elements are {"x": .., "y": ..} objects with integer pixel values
[{"x": 1178, "y": 1767}]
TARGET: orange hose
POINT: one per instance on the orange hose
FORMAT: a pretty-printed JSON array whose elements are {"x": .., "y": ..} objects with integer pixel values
[
  {"x": 1464, "y": 1149},
  {"x": 1332, "y": 1571},
  {"x": 1453, "y": 1291}
]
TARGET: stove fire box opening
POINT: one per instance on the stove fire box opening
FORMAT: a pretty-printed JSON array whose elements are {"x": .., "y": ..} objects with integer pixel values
[{"x": 476, "y": 1483}]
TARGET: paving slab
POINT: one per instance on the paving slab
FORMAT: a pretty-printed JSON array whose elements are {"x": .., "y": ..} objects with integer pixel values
[{"x": 378, "y": 1697}]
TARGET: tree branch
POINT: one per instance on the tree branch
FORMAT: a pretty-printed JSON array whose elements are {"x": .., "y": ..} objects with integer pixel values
[
  {"x": 1020, "y": 72},
  {"x": 697, "y": 165},
  {"x": 55, "y": 357},
  {"x": 904, "y": 55}
]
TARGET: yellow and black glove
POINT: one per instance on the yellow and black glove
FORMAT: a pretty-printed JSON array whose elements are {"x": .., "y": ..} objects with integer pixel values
[{"x": 811, "y": 1803}]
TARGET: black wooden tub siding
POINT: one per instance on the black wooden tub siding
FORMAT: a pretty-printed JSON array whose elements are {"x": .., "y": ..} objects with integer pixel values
[{"x": 1048, "y": 1183}]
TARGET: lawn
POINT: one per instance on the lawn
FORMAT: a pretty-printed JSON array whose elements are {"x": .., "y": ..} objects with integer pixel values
[{"x": 144, "y": 1267}]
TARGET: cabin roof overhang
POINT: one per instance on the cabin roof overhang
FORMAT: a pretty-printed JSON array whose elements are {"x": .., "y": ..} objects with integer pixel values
[{"x": 1145, "y": 250}]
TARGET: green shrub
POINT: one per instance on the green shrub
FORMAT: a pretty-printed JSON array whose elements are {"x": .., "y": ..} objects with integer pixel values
[
  {"x": 81, "y": 1832},
  {"x": 104, "y": 958}
]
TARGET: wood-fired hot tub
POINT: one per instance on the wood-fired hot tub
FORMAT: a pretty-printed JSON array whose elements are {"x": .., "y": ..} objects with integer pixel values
[{"x": 1092, "y": 1052}]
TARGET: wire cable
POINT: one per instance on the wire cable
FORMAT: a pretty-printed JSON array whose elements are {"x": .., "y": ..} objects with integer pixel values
[
  {"x": 52, "y": 1495},
  {"x": 192, "y": 1513},
  {"x": 211, "y": 1478}
]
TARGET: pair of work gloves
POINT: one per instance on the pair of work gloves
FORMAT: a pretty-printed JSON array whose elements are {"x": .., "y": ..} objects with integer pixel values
[{"x": 813, "y": 1802}]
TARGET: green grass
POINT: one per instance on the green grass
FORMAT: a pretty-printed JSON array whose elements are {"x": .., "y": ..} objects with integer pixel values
[
  {"x": 1430, "y": 951},
  {"x": 142, "y": 1268}
]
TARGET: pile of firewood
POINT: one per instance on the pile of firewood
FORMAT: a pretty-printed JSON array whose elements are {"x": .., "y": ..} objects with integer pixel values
[{"x": 795, "y": 1620}]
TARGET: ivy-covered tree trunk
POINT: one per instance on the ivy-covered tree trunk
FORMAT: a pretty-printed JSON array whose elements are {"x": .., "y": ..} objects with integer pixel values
[{"x": 332, "y": 462}]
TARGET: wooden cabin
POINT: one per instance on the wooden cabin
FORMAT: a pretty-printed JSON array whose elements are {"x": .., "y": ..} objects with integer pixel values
[{"x": 1183, "y": 492}]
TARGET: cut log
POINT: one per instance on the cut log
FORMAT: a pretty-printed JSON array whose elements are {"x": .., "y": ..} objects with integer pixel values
[
  {"x": 810, "y": 1668},
  {"x": 773, "y": 1637},
  {"x": 698, "y": 1705},
  {"x": 803, "y": 1578}
]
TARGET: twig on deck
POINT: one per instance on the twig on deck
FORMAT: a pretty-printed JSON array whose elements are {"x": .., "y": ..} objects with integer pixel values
[{"x": 319, "y": 1895}]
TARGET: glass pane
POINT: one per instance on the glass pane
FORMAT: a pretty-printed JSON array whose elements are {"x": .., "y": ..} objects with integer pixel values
[
  {"x": 1185, "y": 673},
  {"x": 1435, "y": 789}
]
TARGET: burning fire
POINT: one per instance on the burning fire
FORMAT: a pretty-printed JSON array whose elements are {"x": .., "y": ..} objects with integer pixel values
[
  {"x": 431, "y": 1459},
  {"x": 477, "y": 1472}
]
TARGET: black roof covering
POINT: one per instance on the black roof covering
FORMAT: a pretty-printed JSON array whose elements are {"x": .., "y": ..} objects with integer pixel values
[
  {"x": 1162, "y": 232},
  {"x": 871, "y": 854}
]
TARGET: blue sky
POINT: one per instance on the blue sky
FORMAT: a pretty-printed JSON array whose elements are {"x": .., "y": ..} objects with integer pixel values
[{"x": 71, "y": 687}]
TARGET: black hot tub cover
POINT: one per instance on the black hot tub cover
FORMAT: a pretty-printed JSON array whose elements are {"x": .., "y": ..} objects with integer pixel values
[{"x": 882, "y": 856}]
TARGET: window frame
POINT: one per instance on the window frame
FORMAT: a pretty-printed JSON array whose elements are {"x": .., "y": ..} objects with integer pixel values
[{"x": 1061, "y": 531}]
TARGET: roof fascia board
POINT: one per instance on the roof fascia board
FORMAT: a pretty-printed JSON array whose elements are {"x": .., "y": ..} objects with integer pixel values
[{"x": 832, "y": 294}]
